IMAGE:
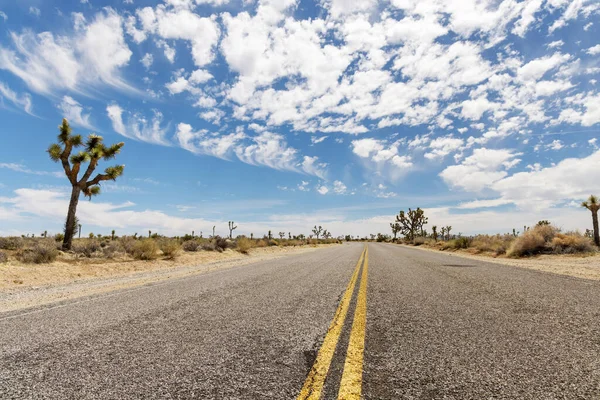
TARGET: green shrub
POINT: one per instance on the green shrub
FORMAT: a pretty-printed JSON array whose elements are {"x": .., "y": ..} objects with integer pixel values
[
  {"x": 244, "y": 245},
  {"x": 59, "y": 237},
  {"x": 43, "y": 251},
  {"x": 169, "y": 247},
  {"x": 11, "y": 243},
  {"x": 145, "y": 249}
]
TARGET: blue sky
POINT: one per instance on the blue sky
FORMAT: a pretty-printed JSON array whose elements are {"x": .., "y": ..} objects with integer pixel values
[{"x": 283, "y": 114}]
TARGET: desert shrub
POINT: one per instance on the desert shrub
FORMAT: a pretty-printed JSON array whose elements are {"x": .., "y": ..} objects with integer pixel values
[
  {"x": 169, "y": 247},
  {"x": 191, "y": 245},
  {"x": 145, "y": 249},
  {"x": 128, "y": 243},
  {"x": 419, "y": 240},
  {"x": 221, "y": 243},
  {"x": 3, "y": 257},
  {"x": 209, "y": 246},
  {"x": 86, "y": 247},
  {"x": 244, "y": 245},
  {"x": 497, "y": 244},
  {"x": 261, "y": 243},
  {"x": 571, "y": 243},
  {"x": 273, "y": 242},
  {"x": 534, "y": 241},
  {"x": 112, "y": 249},
  {"x": 42, "y": 251},
  {"x": 11, "y": 243},
  {"x": 59, "y": 237}
]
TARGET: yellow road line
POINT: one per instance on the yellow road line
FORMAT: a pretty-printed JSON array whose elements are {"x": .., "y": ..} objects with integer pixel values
[
  {"x": 351, "y": 384},
  {"x": 316, "y": 377}
]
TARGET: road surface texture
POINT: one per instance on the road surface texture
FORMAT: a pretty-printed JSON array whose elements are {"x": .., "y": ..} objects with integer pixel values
[{"x": 386, "y": 323}]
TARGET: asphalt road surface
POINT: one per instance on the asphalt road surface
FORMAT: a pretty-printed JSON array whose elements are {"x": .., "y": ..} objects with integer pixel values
[{"x": 386, "y": 323}]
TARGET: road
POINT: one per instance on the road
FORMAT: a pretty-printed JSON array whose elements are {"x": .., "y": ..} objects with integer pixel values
[{"x": 386, "y": 323}]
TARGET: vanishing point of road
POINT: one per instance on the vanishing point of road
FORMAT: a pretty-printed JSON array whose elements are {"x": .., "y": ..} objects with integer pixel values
[{"x": 374, "y": 321}]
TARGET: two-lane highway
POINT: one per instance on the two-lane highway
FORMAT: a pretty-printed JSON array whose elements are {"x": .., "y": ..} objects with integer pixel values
[{"x": 378, "y": 321}]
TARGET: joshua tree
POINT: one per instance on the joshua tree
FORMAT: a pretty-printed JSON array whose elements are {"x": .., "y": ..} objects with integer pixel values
[
  {"x": 79, "y": 230},
  {"x": 94, "y": 150},
  {"x": 290, "y": 235},
  {"x": 232, "y": 227},
  {"x": 326, "y": 234},
  {"x": 434, "y": 234},
  {"x": 214, "y": 226},
  {"x": 252, "y": 236},
  {"x": 593, "y": 204},
  {"x": 270, "y": 235},
  {"x": 112, "y": 236},
  {"x": 543, "y": 222},
  {"x": 317, "y": 231},
  {"x": 411, "y": 223},
  {"x": 443, "y": 233},
  {"x": 149, "y": 233},
  {"x": 396, "y": 228},
  {"x": 448, "y": 229},
  {"x": 281, "y": 235},
  {"x": 193, "y": 233}
]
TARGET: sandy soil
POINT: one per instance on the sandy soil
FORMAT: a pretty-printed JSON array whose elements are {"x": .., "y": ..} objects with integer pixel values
[
  {"x": 24, "y": 286},
  {"x": 586, "y": 267}
]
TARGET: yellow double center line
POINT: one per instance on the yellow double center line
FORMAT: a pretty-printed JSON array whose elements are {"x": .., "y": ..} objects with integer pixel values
[{"x": 351, "y": 383}]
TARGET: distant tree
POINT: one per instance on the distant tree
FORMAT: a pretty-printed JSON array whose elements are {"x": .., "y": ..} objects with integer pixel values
[
  {"x": 232, "y": 227},
  {"x": 281, "y": 235},
  {"x": 593, "y": 205},
  {"x": 396, "y": 228},
  {"x": 412, "y": 222},
  {"x": 448, "y": 229},
  {"x": 434, "y": 233},
  {"x": 317, "y": 231},
  {"x": 543, "y": 222},
  {"x": 94, "y": 151},
  {"x": 443, "y": 233}
]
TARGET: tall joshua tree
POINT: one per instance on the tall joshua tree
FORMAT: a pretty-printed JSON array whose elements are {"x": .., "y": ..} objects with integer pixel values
[
  {"x": 593, "y": 204},
  {"x": 232, "y": 227},
  {"x": 93, "y": 151}
]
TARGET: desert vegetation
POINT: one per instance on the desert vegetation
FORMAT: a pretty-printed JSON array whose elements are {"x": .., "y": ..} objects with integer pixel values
[{"x": 543, "y": 238}]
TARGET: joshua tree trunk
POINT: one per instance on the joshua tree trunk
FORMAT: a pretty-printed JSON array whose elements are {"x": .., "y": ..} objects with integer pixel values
[
  {"x": 596, "y": 232},
  {"x": 70, "y": 225}
]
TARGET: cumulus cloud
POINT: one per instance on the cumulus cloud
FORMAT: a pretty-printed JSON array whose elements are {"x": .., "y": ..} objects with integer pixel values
[{"x": 93, "y": 56}]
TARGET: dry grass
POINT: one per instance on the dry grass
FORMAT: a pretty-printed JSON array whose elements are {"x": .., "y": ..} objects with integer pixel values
[
  {"x": 495, "y": 244},
  {"x": 244, "y": 245},
  {"x": 42, "y": 252},
  {"x": 169, "y": 247},
  {"x": 145, "y": 249}
]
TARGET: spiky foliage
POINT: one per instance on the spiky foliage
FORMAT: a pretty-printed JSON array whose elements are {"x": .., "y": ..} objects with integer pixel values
[
  {"x": 593, "y": 204},
  {"x": 396, "y": 228},
  {"x": 412, "y": 222},
  {"x": 317, "y": 231},
  {"x": 281, "y": 235},
  {"x": 93, "y": 151},
  {"x": 448, "y": 229},
  {"x": 434, "y": 232}
]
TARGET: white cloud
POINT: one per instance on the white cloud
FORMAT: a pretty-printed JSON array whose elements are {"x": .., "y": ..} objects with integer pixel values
[
  {"x": 23, "y": 169},
  {"x": 3, "y": 16},
  {"x": 94, "y": 56},
  {"x": 536, "y": 69},
  {"x": 35, "y": 11},
  {"x": 442, "y": 146},
  {"x": 73, "y": 111},
  {"x": 138, "y": 127},
  {"x": 594, "y": 50},
  {"x": 339, "y": 187},
  {"x": 322, "y": 189},
  {"x": 480, "y": 170},
  {"x": 22, "y": 100},
  {"x": 147, "y": 60}
]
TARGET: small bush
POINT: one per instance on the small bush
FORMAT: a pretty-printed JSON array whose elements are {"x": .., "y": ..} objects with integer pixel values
[
  {"x": 273, "y": 242},
  {"x": 11, "y": 243},
  {"x": 572, "y": 243},
  {"x": 86, "y": 247},
  {"x": 244, "y": 245},
  {"x": 112, "y": 249},
  {"x": 3, "y": 257},
  {"x": 419, "y": 240},
  {"x": 128, "y": 243},
  {"x": 497, "y": 244},
  {"x": 534, "y": 241},
  {"x": 220, "y": 243},
  {"x": 59, "y": 237},
  {"x": 261, "y": 243},
  {"x": 169, "y": 247},
  {"x": 42, "y": 252},
  {"x": 209, "y": 246},
  {"x": 191, "y": 245},
  {"x": 145, "y": 249}
]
